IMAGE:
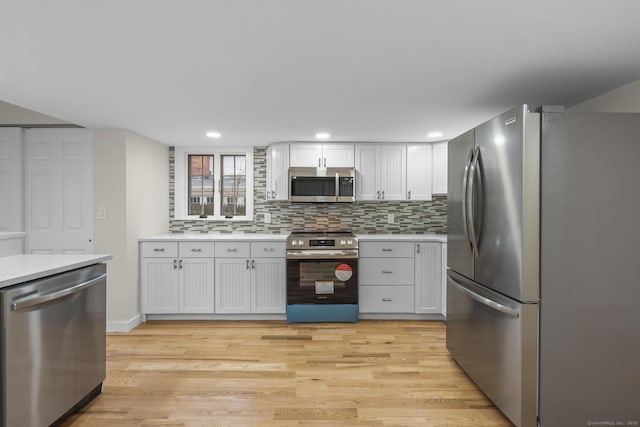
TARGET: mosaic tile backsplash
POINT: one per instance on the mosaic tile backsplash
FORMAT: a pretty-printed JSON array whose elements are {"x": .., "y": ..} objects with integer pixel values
[{"x": 414, "y": 217}]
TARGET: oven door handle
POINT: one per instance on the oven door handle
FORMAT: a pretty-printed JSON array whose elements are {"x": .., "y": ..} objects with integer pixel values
[{"x": 322, "y": 254}]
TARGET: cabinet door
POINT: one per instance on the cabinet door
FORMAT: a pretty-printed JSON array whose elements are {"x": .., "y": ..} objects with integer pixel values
[
  {"x": 305, "y": 155},
  {"x": 232, "y": 285},
  {"x": 440, "y": 167},
  {"x": 268, "y": 285},
  {"x": 393, "y": 170},
  {"x": 429, "y": 284},
  {"x": 196, "y": 287},
  {"x": 367, "y": 172},
  {"x": 419, "y": 172},
  {"x": 338, "y": 155},
  {"x": 278, "y": 172},
  {"x": 10, "y": 179},
  {"x": 159, "y": 286}
]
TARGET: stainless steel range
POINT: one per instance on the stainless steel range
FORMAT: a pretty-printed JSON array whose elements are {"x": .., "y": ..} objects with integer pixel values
[{"x": 322, "y": 277}]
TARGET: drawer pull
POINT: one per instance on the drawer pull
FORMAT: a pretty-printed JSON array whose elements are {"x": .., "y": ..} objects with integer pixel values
[
  {"x": 232, "y": 250},
  {"x": 387, "y": 250},
  {"x": 387, "y": 271},
  {"x": 196, "y": 250},
  {"x": 158, "y": 249},
  {"x": 268, "y": 249},
  {"x": 387, "y": 299}
]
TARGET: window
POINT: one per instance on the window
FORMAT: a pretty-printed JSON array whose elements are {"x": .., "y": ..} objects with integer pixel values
[{"x": 214, "y": 185}]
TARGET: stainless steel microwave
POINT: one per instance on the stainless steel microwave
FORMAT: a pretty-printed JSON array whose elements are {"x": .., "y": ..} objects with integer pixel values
[{"x": 322, "y": 185}]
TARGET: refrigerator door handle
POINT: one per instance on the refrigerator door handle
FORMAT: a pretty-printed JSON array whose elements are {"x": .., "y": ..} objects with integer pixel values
[
  {"x": 485, "y": 301},
  {"x": 465, "y": 187},
  {"x": 474, "y": 172}
]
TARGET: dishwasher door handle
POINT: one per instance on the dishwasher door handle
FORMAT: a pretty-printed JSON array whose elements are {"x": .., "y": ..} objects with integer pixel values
[{"x": 41, "y": 299}]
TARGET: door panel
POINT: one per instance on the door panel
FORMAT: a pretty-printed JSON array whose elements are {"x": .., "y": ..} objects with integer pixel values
[{"x": 459, "y": 256}]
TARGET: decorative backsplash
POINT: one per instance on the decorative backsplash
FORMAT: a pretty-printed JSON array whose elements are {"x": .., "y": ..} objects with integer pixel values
[{"x": 413, "y": 217}]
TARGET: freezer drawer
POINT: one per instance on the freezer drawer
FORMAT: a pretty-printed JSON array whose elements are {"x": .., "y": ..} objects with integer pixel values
[{"x": 495, "y": 340}]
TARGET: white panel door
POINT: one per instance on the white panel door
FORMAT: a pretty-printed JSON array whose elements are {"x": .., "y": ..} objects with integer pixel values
[
  {"x": 268, "y": 285},
  {"x": 367, "y": 172},
  {"x": 58, "y": 190},
  {"x": 428, "y": 286},
  {"x": 338, "y": 155},
  {"x": 440, "y": 159},
  {"x": 196, "y": 285},
  {"x": 305, "y": 155},
  {"x": 10, "y": 179},
  {"x": 232, "y": 285},
  {"x": 393, "y": 170},
  {"x": 419, "y": 172},
  {"x": 159, "y": 286}
]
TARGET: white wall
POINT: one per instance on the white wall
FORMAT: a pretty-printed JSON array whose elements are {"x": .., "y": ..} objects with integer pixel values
[
  {"x": 13, "y": 115},
  {"x": 625, "y": 99},
  {"x": 131, "y": 180}
]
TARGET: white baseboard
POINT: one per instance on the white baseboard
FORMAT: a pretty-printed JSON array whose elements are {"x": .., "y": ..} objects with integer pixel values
[{"x": 124, "y": 326}]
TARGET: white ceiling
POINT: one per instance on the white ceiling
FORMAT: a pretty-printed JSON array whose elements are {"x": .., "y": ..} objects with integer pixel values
[{"x": 260, "y": 71}]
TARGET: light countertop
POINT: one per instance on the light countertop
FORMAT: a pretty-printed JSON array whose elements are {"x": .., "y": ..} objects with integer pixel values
[
  {"x": 16, "y": 269},
  {"x": 215, "y": 237},
  {"x": 427, "y": 237}
]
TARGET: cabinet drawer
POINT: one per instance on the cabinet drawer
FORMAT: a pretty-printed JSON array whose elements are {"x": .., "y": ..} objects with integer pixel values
[
  {"x": 159, "y": 249},
  {"x": 233, "y": 250},
  {"x": 196, "y": 249},
  {"x": 386, "y": 271},
  {"x": 386, "y": 299},
  {"x": 268, "y": 249},
  {"x": 386, "y": 249}
]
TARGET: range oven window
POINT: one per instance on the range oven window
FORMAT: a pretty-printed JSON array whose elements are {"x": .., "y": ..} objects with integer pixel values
[{"x": 318, "y": 281}]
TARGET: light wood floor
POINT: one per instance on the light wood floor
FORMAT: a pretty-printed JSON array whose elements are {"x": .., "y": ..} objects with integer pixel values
[{"x": 214, "y": 373}]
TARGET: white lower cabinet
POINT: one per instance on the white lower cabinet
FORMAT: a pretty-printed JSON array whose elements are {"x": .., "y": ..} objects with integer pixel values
[
  {"x": 176, "y": 277},
  {"x": 254, "y": 281},
  {"x": 404, "y": 278}
]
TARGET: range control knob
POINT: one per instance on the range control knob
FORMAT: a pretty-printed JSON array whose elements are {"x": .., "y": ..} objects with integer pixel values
[
  {"x": 300, "y": 242},
  {"x": 294, "y": 243},
  {"x": 343, "y": 242},
  {"x": 349, "y": 242}
]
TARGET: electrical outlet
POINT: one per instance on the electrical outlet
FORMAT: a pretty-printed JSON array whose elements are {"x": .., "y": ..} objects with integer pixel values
[
  {"x": 391, "y": 218},
  {"x": 267, "y": 218}
]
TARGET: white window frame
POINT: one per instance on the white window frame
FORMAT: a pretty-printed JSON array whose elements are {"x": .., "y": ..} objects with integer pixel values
[{"x": 181, "y": 182}]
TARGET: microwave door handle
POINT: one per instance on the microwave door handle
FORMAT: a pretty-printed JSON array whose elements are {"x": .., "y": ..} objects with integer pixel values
[
  {"x": 337, "y": 186},
  {"x": 465, "y": 204}
]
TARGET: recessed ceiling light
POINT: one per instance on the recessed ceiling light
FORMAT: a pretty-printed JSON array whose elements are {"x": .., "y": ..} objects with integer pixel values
[
  {"x": 434, "y": 134},
  {"x": 214, "y": 134},
  {"x": 323, "y": 135}
]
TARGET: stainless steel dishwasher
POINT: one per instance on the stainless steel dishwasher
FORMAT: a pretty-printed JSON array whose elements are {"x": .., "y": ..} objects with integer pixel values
[{"x": 53, "y": 346}]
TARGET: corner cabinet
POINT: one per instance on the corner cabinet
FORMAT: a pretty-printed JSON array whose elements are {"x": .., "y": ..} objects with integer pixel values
[
  {"x": 381, "y": 171},
  {"x": 277, "y": 185},
  {"x": 176, "y": 277},
  {"x": 440, "y": 159}
]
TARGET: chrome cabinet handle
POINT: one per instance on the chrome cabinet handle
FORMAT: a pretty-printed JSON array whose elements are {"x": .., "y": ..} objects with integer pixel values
[
  {"x": 158, "y": 249},
  {"x": 409, "y": 195},
  {"x": 325, "y": 162},
  {"x": 319, "y": 162},
  {"x": 382, "y": 194},
  {"x": 175, "y": 264},
  {"x": 247, "y": 264},
  {"x": 232, "y": 249},
  {"x": 387, "y": 250},
  {"x": 268, "y": 249},
  {"x": 387, "y": 272},
  {"x": 196, "y": 249},
  {"x": 180, "y": 264},
  {"x": 418, "y": 247},
  {"x": 387, "y": 299},
  {"x": 253, "y": 264},
  {"x": 378, "y": 195}
]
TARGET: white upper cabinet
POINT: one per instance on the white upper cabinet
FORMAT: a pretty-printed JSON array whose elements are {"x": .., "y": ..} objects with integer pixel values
[
  {"x": 10, "y": 179},
  {"x": 333, "y": 155},
  {"x": 381, "y": 171},
  {"x": 419, "y": 157},
  {"x": 277, "y": 187},
  {"x": 440, "y": 167}
]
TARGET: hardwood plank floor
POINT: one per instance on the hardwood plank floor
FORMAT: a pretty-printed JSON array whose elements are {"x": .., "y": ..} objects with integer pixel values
[{"x": 218, "y": 373}]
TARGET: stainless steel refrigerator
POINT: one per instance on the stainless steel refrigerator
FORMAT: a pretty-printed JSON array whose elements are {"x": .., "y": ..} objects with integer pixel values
[{"x": 543, "y": 260}]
